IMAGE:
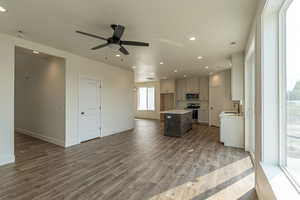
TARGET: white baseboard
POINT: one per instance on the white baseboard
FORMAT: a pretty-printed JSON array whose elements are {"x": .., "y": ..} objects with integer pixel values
[
  {"x": 7, "y": 159},
  {"x": 200, "y": 121},
  {"x": 41, "y": 137}
]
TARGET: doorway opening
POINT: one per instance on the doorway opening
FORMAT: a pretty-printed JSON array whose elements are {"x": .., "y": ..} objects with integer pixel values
[{"x": 39, "y": 100}]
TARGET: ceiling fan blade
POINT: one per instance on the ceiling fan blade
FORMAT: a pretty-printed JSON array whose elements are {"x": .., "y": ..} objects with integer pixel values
[
  {"x": 91, "y": 35},
  {"x": 134, "y": 43},
  {"x": 119, "y": 30},
  {"x": 124, "y": 51},
  {"x": 100, "y": 46}
]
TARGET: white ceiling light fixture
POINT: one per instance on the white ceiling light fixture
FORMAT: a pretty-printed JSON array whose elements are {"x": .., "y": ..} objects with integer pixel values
[
  {"x": 35, "y": 52},
  {"x": 200, "y": 57},
  {"x": 161, "y": 63},
  {"x": 206, "y": 67},
  {"x": 192, "y": 38},
  {"x": 118, "y": 55},
  {"x": 175, "y": 70},
  {"x": 184, "y": 76},
  {"x": 2, "y": 9}
]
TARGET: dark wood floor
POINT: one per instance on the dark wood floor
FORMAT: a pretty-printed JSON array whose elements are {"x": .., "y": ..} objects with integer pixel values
[{"x": 139, "y": 164}]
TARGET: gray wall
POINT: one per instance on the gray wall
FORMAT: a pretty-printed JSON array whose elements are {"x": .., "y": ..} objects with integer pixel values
[{"x": 40, "y": 96}]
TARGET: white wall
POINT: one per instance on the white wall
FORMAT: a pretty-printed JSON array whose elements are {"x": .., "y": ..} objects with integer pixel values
[
  {"x": 40, "y": 96},
  {"x": 149, "y": 114},
  {"x": 117, "y": 93},
  {"x": 6, "y": 101}
]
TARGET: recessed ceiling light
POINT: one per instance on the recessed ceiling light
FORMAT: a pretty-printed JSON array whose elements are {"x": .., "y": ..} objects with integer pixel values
[
  {"x": 184, "y": 76},
  {"x": 192, "y": 38},
  {"x": 118, "y": 55},
  {"x": 161, "y": 63},
  {"x": 2, "y": 9},
  {"x": 175, "y": 70},
  {"x": 35, "y": 52},
  {"x": 200, "y": 57},
  {"x": 206, "y": 67},
  {"x": 133, "y": 67}
]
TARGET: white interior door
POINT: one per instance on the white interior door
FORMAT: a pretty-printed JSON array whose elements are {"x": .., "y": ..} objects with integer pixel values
[{"x": 89, "y": 109}]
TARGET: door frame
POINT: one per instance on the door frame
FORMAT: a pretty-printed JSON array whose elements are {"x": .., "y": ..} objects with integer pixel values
[
  {"x": 249, "y": 88},
  {"x": 80, "y": 77}
]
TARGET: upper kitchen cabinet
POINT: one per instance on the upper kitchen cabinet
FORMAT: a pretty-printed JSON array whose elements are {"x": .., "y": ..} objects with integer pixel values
[
  {"x": 167, "y": 86},
  {"x": 237, "y": 77},
  {"x": 181, "y": 89},
  {"x": 204, "y": 88},
  {"x": 192, "y": 85}
]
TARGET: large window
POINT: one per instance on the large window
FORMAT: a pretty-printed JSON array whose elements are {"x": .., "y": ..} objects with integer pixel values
[
  {"x": 146, "y": 99},
  {"x": 291, "y": 110}
]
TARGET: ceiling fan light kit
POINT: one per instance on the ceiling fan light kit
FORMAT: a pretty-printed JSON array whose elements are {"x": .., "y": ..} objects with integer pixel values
[{"x": 115, "y": 41}]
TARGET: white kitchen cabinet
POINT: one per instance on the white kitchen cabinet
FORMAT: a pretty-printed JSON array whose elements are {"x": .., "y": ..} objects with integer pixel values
[
  {"x": 202, "y": 116},
  {"x": 180, "y": 89},
  {"x": 167, "y": 86},
  {"x": 192, "y": 85},
  {"x": 204, "y": 88},
  {"x": 237, "y": 77},
  {"x": 232, "y": 130}
]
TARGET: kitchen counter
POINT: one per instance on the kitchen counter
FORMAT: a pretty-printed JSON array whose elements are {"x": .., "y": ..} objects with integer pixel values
[
  {"x": 232, "y": 129},
  {"x": 177, "y": 122},
  {"x": 179, "y": 112}
]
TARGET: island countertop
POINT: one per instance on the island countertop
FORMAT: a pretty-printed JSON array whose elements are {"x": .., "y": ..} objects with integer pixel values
[{"x": 178, "y": 112}]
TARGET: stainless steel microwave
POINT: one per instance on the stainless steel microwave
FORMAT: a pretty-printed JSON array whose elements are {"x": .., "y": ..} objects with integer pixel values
[{"x": 192, "y": 96}]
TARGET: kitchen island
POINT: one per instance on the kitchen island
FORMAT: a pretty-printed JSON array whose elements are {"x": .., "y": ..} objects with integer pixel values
[{"x": 177, "y": 122}]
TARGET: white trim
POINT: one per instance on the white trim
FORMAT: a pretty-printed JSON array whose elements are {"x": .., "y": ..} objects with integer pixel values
[
  {"x": 282, "y": 83},
  {"x": 201, "y": 121},
  {"x": 7, "y": 159},
  {"x": 52, "y": 140},
  {"x": 279, "y": 182},
  {"x": 100, "y": 104}
]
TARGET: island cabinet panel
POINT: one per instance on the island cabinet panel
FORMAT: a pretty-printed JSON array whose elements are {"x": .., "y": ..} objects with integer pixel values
[{"x": 177, "y": 125}]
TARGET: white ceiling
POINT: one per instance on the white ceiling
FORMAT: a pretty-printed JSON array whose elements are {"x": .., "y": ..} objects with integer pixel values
[{"x": 166, "y": 24}]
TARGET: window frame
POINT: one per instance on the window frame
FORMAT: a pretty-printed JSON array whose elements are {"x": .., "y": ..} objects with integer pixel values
[
  {"x": 138, "y": 99},
  {"x": 282, "y": 94}
]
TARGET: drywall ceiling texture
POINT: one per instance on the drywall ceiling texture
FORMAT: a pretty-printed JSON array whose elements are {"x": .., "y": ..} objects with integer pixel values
[{"x": 167, "y": 25}]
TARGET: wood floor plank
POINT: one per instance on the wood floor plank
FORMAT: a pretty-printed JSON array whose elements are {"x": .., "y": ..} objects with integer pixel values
[{"x": 136, "y": 165}]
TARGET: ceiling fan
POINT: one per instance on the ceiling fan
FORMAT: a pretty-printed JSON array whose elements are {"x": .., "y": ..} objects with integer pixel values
[{"x": 115, "y": 41}]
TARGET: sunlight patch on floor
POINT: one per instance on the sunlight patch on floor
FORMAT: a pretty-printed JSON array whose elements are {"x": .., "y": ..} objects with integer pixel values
[
  {"x": 209, "y": 181},
  {"x": 236, "y": 190}
]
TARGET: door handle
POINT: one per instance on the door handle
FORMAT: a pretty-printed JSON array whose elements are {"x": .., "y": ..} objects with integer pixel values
[{"x": 82, "y": 113}]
